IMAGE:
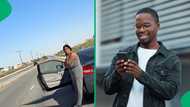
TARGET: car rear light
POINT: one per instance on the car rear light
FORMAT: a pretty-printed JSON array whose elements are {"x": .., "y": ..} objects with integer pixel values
[{"x": 87, "y": 70}]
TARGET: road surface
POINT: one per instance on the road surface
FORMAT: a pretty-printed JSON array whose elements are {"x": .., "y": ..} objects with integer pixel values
[{"x": 25, "y": 91}]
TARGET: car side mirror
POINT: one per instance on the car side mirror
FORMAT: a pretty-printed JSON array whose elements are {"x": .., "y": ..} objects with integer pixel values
[{"x": 59, "y": 67}]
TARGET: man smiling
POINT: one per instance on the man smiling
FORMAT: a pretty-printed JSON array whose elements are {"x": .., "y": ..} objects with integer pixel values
[{"x": 150, "y": 73}]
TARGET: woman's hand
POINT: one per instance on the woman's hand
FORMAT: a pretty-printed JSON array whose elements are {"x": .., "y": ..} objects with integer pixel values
[{"x": 66, "y": 64}]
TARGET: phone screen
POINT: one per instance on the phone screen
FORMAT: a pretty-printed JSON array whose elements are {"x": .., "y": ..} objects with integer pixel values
[{"x": 122, "y": 55}]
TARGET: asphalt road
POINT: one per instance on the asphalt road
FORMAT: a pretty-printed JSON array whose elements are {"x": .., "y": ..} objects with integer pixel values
[
  {"x": 21, "y": 91},
  {"x": 26, "y": 92}
]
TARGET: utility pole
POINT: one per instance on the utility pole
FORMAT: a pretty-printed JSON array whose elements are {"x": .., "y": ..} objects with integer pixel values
[{"x": 19, "y": 54}]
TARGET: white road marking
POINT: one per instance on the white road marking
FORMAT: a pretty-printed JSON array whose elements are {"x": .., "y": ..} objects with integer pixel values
[{"x": 32, "y": 87}]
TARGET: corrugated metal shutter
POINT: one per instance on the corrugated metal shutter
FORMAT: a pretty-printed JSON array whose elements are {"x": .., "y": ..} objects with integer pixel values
[
  {"x": 111, "y": 18},
  {"x": 118, "y": 18},
  {"x": 174, "y": 18}
]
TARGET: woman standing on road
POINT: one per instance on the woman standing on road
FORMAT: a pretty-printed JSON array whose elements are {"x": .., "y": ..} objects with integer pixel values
[{"x": 72, "y": 62}]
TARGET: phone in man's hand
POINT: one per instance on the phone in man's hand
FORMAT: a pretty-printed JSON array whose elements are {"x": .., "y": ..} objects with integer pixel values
[
  {"x": 122, "y": 55},
  {"x": 125, "y": 55}
]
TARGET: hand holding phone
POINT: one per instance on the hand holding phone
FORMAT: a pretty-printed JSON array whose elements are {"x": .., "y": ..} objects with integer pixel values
[
  {"x": 122, "y": 61},
  {"x": 122, "y": 56}
]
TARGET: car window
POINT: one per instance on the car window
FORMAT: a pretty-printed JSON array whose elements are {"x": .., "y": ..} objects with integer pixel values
[{"x": 49, "y": 67}]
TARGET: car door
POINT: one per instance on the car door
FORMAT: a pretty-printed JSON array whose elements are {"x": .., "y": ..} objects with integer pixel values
[{"x": 52, "y": 75}]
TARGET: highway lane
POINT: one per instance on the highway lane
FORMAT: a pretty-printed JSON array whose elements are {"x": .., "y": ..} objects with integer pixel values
[
  {"x": 21, "y": 91},
  {"x": 4, "y": 81},
  {"x": 25, "y": 91}
]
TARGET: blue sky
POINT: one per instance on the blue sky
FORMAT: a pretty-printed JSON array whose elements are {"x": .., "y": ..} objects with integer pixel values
[{"x": 41, "y": 27}]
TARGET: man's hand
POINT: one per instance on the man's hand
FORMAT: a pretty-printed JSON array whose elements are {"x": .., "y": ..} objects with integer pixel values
[
  {"x": 133, "y": 68},
  {"x": 120, "y": 66}
]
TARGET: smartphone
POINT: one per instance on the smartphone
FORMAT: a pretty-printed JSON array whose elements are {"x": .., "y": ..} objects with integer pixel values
[
  {"x": 122, "y": 55},
  {"x": 125, "y": 55}
]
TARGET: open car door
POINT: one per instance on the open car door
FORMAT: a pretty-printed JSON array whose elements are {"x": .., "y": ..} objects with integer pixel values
[{"x": 52, "y": 75}]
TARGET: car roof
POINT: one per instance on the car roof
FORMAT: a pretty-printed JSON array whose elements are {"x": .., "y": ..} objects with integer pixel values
[{"x": 85, "y": 49}]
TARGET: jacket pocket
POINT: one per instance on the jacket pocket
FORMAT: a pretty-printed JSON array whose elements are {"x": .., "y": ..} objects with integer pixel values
[{"x": 161, "y": 72}]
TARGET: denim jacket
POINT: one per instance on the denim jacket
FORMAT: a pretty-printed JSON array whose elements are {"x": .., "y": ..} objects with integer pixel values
[{"x": 161, "y": 80}]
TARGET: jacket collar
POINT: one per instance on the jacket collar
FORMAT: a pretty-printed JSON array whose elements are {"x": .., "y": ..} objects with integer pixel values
[{"x": 161, "y": 50}]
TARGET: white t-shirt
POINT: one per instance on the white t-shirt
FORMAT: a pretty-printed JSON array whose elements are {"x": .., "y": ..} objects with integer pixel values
[{"x": 136, "y": 94}]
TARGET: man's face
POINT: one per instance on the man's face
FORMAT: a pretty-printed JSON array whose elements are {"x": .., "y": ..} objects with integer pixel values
[{"x": 146, "y": 28}]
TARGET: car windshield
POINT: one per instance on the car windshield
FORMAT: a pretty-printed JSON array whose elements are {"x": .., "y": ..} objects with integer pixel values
[{"x": 86, "y": 56}]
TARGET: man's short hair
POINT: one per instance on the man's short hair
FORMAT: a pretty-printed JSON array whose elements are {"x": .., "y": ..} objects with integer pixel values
[{"x": 150, "y": 11}]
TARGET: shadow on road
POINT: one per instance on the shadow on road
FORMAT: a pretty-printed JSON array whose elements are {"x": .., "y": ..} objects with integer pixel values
[{"x": 65, "y": 97}]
